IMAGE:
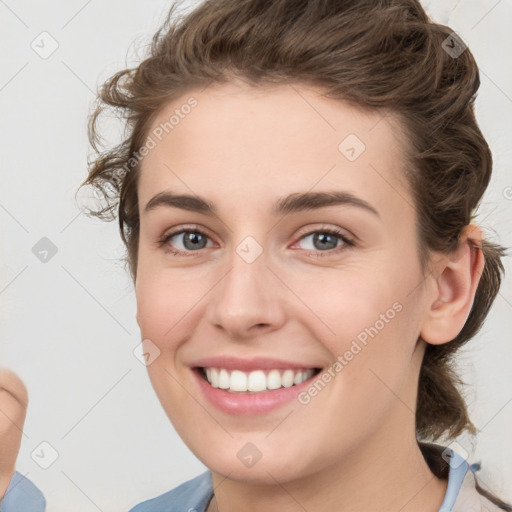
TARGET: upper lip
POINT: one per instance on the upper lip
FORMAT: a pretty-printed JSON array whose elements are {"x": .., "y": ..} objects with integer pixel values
[{"x": 254, "y": 363}]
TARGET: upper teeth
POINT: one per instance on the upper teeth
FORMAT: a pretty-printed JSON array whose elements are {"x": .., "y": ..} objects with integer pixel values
[{"x": 258, "y": 380}]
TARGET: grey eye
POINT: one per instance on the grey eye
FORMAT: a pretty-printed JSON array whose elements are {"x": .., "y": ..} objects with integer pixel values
[
  {"x": 321, "y": 241},
  {"x": 189, "y": 240}
]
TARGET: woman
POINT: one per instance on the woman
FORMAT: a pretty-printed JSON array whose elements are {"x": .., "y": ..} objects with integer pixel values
[{"x": 296, "y": 192}]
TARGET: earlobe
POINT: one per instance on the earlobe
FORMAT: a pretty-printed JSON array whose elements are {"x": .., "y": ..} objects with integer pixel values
[{"x": 455, "y": 284}]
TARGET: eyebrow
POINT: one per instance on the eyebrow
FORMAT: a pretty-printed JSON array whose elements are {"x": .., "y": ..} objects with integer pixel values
[{"x": 296, "y": 202}]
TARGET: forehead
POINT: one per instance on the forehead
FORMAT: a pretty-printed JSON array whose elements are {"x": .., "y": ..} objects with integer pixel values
[{"x": 232, "y": 140}]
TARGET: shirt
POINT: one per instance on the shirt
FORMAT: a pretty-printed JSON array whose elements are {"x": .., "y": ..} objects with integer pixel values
[
  {"x": 461, "y": 493},
  {"x": 22, "y": 496}
]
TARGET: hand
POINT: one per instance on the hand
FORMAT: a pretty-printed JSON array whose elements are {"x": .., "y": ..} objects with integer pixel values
[{"x": 13, "y": 409}]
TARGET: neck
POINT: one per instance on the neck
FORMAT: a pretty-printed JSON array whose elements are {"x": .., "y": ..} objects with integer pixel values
[{"x": 396, "y": 477}]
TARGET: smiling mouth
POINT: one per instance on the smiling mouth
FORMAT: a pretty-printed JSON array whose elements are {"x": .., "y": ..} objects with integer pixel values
[{"x": 256, "y": 381}]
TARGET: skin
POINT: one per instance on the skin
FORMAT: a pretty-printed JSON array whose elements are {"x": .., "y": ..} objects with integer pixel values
[
  {"x": 13, "y": 408},
  {"x": 353, "y": 447}
]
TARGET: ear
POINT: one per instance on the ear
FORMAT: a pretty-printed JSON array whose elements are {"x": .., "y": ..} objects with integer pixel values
[{"x": 456, "y": 277}]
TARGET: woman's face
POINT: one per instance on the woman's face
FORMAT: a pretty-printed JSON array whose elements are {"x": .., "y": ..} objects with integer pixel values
[{"x": 295, "y": 249}]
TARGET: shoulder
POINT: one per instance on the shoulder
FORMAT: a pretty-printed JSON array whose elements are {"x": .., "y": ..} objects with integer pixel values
[
  {"x": 190, "y": 496},
  {"x": 22, "y": 494}
]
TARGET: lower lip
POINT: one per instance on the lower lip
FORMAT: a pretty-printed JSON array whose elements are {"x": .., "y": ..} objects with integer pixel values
[{"x": 249, "y": 404}]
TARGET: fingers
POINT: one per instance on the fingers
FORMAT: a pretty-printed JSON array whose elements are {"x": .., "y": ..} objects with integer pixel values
[{"x": 11, "y": 383}]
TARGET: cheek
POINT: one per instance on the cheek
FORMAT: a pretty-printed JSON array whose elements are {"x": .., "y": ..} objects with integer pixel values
[
  {"x": 341, "y": 304},
  {"x": 166, "y": 303},
  {"x": 153, "y": 306},
  {"x": 369, "y": 323}
]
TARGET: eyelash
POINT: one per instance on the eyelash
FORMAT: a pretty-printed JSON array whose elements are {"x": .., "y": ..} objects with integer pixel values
[{"x": 347, "y": 243}]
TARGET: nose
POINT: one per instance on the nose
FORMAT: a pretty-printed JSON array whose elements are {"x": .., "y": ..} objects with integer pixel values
[{"x": 248, "y": 301}]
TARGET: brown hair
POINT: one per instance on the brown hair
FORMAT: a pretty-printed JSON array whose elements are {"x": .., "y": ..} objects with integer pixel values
[{"x": 378, "y": 54}]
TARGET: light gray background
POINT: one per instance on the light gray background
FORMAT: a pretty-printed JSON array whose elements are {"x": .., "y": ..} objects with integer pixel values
[{"x": 68, "y": 325}]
